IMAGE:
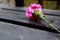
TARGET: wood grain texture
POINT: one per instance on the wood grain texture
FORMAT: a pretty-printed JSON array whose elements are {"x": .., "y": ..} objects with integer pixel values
[
  {"x": 19, "y": 16},
  {"x": 16, "y": 32}
]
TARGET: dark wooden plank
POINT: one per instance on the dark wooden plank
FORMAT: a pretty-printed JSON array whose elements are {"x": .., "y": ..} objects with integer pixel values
[
  {"x": 29, "y": 25},
  {"x": 16, "y": 32},
  {"x": 23, "y": 9},
  {"x": 20, "y": 17}
]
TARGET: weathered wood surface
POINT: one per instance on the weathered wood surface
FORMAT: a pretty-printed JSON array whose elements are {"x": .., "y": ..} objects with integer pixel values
[
  {"x": 16, "y": 32},
  {"x": 12, "y": 15}
]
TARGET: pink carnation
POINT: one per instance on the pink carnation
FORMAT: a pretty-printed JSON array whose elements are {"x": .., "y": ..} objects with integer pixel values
[{"x": 30, "y": 10}]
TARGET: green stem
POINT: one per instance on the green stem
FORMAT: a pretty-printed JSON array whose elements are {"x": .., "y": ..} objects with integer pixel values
[
  {"x": 38, "y": 14},
  {"x": 50, "y": 25}
]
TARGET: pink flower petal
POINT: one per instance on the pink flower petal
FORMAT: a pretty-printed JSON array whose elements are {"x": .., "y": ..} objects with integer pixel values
[{"x": 30, "y": 10}]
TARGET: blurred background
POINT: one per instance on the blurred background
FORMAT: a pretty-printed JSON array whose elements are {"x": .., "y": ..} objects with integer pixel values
[{"x": 46, "y": 4}]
